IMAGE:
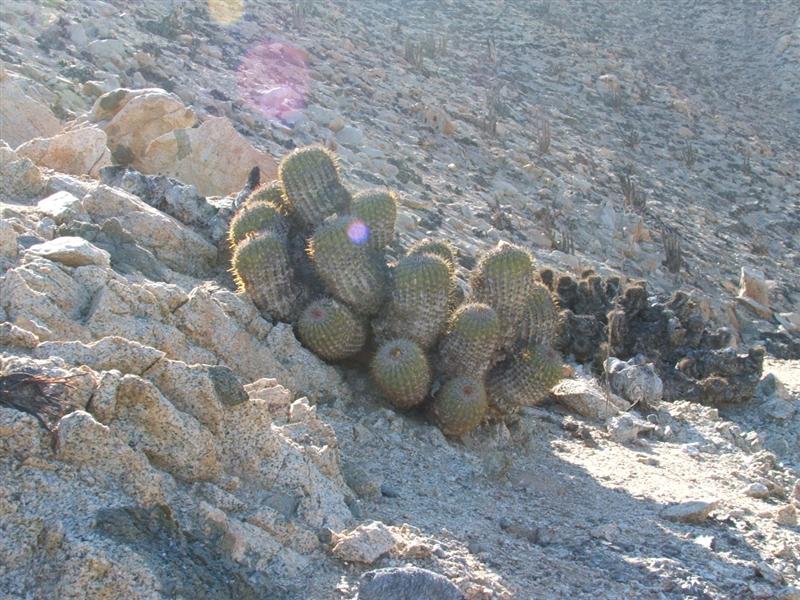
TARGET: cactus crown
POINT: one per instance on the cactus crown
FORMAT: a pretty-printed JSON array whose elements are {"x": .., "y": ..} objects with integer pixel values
[
  {"x": 423, "y": 271},
  {"x": 505, "y": 260},
  {"x": 311, "y": 187},
  {"x": 401, "y": 371},
  {"x": 268, "y": 192},
  {"x": 254, "y": 253},
  {"x": 378, "y": 210},
  {"x": 475, "y": 321},
  {"x": 331, "y": 330},
  {"x": 254, "y": 218},
  {"x": 441, "y": 248},
  {"x": 342, "y": 234},
  {"x": 460, "y": 405}
]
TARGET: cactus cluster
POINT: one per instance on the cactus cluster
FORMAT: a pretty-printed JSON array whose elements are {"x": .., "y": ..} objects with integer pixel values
[{"x": 307, "y": 251}]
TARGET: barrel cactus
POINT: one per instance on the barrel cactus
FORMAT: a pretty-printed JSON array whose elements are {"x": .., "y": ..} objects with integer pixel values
[
  {"x": 460, "y": 405},
  {"x": 401, "y": 371},
  {"x": 524, "y": 380},
  {"x": 261, "y": 268},
  {"x": 255, "y": 217},
  {"x": 269, "y": 192},
  {"x": 378, "y": 210},
  {"x": 419, "y": 302},
  {"x": 470, "y": 341},
  {"x": 441, "y": 248},
  {"x": 331, "y": 330},
  {"x": 503, "y": 279},
  {"x": 350, "y": 273},
  {"x": 540, "y": 322},
  {"x": 312, "y": 190}
]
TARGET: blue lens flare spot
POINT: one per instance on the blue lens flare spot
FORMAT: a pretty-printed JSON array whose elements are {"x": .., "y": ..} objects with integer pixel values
[{"x": 358, "y": 232}]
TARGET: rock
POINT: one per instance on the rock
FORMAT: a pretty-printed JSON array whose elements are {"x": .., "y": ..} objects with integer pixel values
[
  {"x": 215, "y": 158},
  {"x": 757, "y": 490},
  {"x": 40, "y": 297},
  {"x": 71, "y": 251},
  {"x": 364, "y": 544},
  {"x": 321, "y": 115},
  {"x": 587, "y": 399},
  {"x": 111, "y": 352},
  {"x": 172, "y": 440},
  {"x": 21, "y": 117},
  {"x": 20, "y": 178},
  {"x": 761, "y": 310},
  {"x": 636, "y": 381},
  {"x": 689, "y": 512},
  {"x": 786, "y": 515},
  {"x": 363, "y": 483},
  {"x": 78, "y": 151},
  {"x": 790, "y": 321},
  {"x": 62, "y": 207},
  {"x": 626, "y": 428},
  {"x": 107, "y": 51},
  {"x": 167, "y": 195},
  {"x": 350, "y": 136},
  {"x": 8, "y": 240},
  {"x": 134, "y": 118},
  {"x": 16, "y": 337},
  {"x": 779, "y": 409},
  {"x": 310, "y": 376},
  {"x": 406, "y": 583},
  {"x": 607, "y": 85},
  {"x": 754, "y": 285},
  {"x": 179, "y": 247}
]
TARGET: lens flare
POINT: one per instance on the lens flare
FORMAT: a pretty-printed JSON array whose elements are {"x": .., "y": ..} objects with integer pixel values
[
  {"x": 225, "y": 12},
  {"x": 358, "y": 232},
  {"x": 273, "y": 80}
]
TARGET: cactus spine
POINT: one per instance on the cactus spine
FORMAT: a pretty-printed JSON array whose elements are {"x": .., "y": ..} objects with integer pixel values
[
  {"x": 331, "y": 330},
  {"x": 312, "y": 190},
  {"x": 402, "y": 373},
  {"x": 470, "y": 342}
]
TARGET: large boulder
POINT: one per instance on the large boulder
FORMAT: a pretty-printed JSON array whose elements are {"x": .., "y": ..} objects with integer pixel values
[
  {"x": 178, "y": 246},
  {"x": 215, "y": 158},
  {"x": 134, "y": 118},
  {"x": 23, "y": 118},
  {"x": 80, "y": 151}
]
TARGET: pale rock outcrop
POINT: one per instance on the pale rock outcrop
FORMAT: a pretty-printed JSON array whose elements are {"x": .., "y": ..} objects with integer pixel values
[
  {"x": 587, "y": 399},
  {"x": 23, "y": 118},
  {"x": 62, "y": 207},
  {"x": 71, "y": 251},
  {"x": 178, "y": 246},
  {"x": 20, "y": 178},
  {"x": 133, "y": 118},
  {"x": 215, "y": 158},
  {"x": 80, "y": 151},
  {"x": 364, "y": 544}
]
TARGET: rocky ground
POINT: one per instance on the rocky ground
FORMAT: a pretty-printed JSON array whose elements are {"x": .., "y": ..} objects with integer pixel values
[{"x": 186, "y": 445}]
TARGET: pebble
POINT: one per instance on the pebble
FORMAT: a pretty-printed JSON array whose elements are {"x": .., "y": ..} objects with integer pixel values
[
  {"x": 72, "y": 252},
  {"x": 389, "y": 491},
  {"x": 757, "y": 490},
  {"x": 689, "y": 512}
]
